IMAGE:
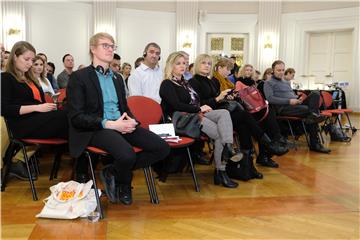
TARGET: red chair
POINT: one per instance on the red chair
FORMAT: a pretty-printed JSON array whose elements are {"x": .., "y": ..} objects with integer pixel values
[
  {"x": 23, "y": 143},
  {"x": 328, "y": 105},
  {"x": 147, "y": 111}
]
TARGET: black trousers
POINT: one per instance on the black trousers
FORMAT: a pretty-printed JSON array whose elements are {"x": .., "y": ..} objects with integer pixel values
[
  {"x": 269, "y": 124},
  {"x": 120, "y": 147},
  {"x": 53, "y": 124},
  {"x": 246, "y": 126},
  {"x": 310, "y": 104}
]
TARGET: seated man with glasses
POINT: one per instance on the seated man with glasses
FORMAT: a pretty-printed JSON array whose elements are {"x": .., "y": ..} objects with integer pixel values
[{"x": 99, "y": 116}]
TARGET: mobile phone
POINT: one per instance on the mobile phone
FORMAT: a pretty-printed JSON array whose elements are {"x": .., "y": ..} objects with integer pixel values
[{"x": 230, "y": 92}]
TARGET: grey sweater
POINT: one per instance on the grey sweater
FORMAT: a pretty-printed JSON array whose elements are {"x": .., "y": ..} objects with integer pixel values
[{"x": 278, "y": 91}]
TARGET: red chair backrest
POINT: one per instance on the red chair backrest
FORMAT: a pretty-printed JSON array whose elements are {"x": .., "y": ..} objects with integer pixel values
[
  {"x": 145, "y": 110},
  {"x": 327, "y": 98}
]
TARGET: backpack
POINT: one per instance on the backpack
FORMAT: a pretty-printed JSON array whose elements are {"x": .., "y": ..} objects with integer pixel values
[{"x": 174, "y": 163}]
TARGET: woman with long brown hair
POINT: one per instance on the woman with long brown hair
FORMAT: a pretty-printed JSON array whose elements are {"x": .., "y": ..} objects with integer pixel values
[{"x": 22, "y": 99}]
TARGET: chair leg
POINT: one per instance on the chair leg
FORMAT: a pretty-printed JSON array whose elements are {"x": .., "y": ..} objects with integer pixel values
[
  {"x": 56, "y": 164},
  {"x": 95, "y": 186},
  {"x": 197, "y": 187},
  {"x": 7, "y": 163},
  {"x": 33, "y": 190},
  {"x": 306, "y": 133},
  {"x": 292, "y": 134},
  {"x": 151, "y": 185},
  {"x": 157, "y": 201},
  {"x": 152, "y": 200},
  {"x": 321, "y": 136},
  {"x": 338, "y": 118},
  {"x": 36, "y": 163},
  {"x": 351, "y": 127}
]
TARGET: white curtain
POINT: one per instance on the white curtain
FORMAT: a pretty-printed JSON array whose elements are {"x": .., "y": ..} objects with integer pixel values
[
  {"x": 13, "y": 28},
  {"x": 186, "y": 27},
  {"x": 104, "y": 13},
  {"x": 269, "y": 22}
]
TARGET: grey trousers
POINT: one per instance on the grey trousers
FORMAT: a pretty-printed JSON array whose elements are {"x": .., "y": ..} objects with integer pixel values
[{"x": 218, "y": 126}]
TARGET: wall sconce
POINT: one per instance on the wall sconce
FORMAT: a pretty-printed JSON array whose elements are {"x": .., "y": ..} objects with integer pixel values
[
  {"x": 268, "y": 43},
  {"x": 13, "y": 31},
  {"x": 187, "y": 45}
]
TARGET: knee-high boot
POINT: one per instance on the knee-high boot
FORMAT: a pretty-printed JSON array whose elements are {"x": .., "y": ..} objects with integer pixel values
[{"x": 253, "y": 171}]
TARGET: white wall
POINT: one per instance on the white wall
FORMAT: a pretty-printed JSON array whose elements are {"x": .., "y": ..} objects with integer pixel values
[
  {"x": 229, "y": 23},
  {"x": 59, "y": 28},
  {"x": 296, "y": 28},
  {"x": 136, "y": 28}
]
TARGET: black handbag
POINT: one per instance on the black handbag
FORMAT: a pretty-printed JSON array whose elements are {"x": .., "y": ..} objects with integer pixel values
[
  {"x": 187, "y": 124},
  {"x": 230, "y": 105}
]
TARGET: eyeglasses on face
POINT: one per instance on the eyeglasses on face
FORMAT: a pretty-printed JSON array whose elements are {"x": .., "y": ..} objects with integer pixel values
[{"x": 107, "y": 46}]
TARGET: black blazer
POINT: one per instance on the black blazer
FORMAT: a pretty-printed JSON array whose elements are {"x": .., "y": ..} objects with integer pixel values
[
  {"x": 15, "y": 94},
  {"x": 208, "y": 89},
  {"x": 86, "y": 107}
]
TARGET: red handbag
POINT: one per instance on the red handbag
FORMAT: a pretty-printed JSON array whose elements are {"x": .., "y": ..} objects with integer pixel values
[{"x": 252, "y": 99}]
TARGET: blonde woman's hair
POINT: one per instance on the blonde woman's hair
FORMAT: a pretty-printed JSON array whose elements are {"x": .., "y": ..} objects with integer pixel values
[
  {"x": 42, "y": 74},
  {"x": 224, "y": 62},
  {"x": 199, "y": 59},
  {"x": 241, "y": 73},
  {"x": 94, "y": 40},
  {"x": 170, "y": 61},
  {"x": 18, "y": 49}
]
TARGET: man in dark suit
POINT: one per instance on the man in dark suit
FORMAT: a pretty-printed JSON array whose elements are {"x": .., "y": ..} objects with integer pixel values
[{"x": 99, "y": 117}]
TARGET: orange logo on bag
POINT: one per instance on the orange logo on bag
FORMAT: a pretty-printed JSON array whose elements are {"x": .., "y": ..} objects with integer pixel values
[{"x": 65, "y": 195}]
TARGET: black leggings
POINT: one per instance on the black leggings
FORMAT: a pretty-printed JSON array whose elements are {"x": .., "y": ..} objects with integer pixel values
[
  {"x": 120, "y": 147},
  {"x": 246, "y": 126},
  {"x": 269, "y": 124}
]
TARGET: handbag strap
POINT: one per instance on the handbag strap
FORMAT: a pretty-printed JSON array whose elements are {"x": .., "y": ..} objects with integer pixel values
[{"x": 265, "y": 114}]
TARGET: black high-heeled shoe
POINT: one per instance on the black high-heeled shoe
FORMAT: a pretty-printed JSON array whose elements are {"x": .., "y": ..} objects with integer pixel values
[
  {"x": 221, "y": 177},
  {"x": 229, "y": 153}
]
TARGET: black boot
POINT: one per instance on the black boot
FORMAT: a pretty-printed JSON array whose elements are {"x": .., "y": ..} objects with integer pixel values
[
  {"x": 229, "y": 153},
  {"x": 220, "y": 177},
  {"x": 264, "y": 160},
  {"x": 274, "y": 147},
  {"x": 315, "y": 144},
  {"x": 253, "y": 171},
  {"x": 124, "y": 194}
]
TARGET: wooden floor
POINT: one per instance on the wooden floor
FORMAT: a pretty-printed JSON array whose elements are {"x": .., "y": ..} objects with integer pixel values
[{"x": 311, "y": 196}]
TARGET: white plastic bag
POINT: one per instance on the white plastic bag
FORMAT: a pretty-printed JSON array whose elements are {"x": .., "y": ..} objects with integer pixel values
[{"x": 69, "y": 200}]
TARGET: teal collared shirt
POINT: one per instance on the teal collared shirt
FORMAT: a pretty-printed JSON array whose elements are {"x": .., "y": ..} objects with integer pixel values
[{"x": 110, "y": 99}]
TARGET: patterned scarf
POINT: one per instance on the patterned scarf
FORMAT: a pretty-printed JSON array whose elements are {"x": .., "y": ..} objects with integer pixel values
[{"x": 194, "y": 96}]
